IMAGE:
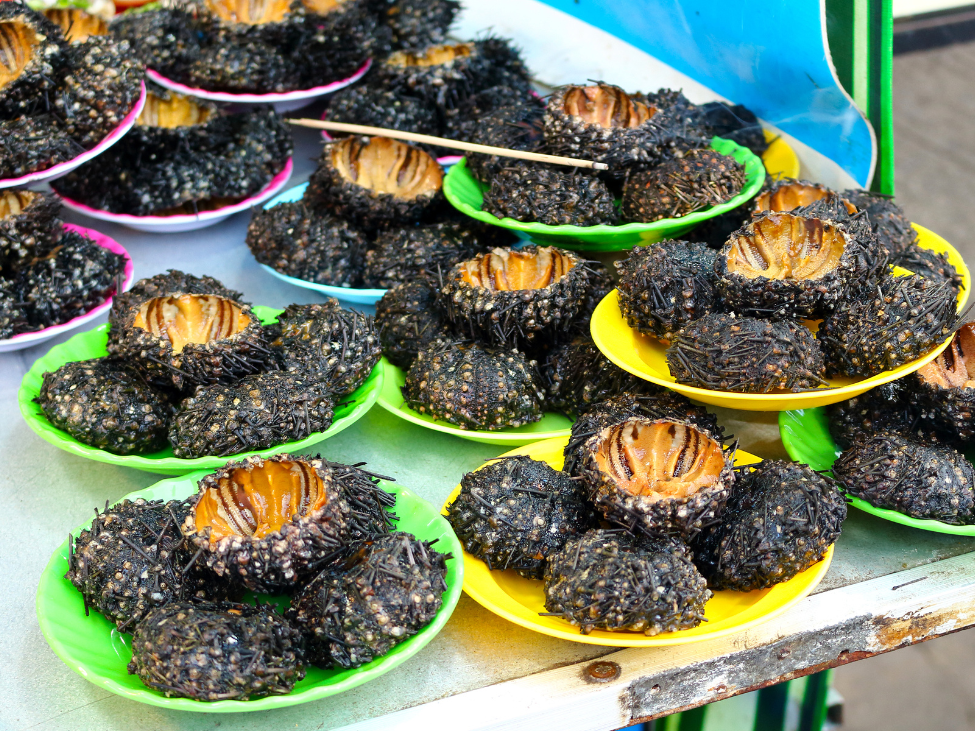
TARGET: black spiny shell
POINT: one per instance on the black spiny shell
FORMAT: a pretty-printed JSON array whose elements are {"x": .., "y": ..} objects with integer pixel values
[
  {"x": 610, "y": 580},
  {"x": 209, "y": 159},
  {"x": 392, "y": 590},
  {"x": 247, "y": 532},
  {"x": 255, "y": 412},
  {"x": 554, "y": 196},
  {"x": 380, "y": 107},
  {"x": 333, "y": 45},
  {"x": 734, "y": 122},
  {"x": 930, "y": 264},
  {"x": 656, "y": 404},
  {"x": 415, "y": 24},
  {"x": 13, "y": 319},
  {"x": 133, "y": 558},
  {"x": 217, "y": 652},
  {"x": 699, "y": 179},
  {"x": 657, "y": 476},
  {"x": 943, "y": 391},
  {"x": 233, "y": 347},
  {"x": 578, "y": 375},
  {"x": 28, "y": 144},
  {"x": 781, "y": 519},
  {"x": 890, "y": 471},
  {"x": 474, "y": 387},
  {"x": 404, "y": 253},
  {"x": 516, "y": 297},
  {"x": 106, "y": 404},
  {"x": 29, "y": 227},
  {"x": 604, "y": 123},
  {"x": 664, "y": 286},
  {"x": 329, "y": 345},
  {"x": 100, "y": 88},
  {"x": 370, "y": 506},
  {"x": 296, "y": 240},
  {"x": 515, "y": 512},
  {"x": 516, "y": 126},
  {"x": 372, "y": 181},
  {"x": 886, "y": 218},
  {"x": 726, "y": 353},
  {"x": 163, "y": 39},
  {"x": 886, "y": 408},
  {"x": 409, "y": 319},
  {"x": 884, "y": 326}
]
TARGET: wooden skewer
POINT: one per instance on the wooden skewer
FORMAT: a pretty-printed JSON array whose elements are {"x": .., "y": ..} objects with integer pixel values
[{"x": 361, "y": 129}]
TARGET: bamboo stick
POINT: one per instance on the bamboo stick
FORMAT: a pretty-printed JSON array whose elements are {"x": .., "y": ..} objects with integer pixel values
[{"x": 361, "y": 129}]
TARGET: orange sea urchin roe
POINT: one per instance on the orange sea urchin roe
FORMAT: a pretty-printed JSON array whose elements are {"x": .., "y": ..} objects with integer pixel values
[
  {"x": 782, "y": 246},
  {"x": 794, "y": 195},
  {"x": 432, "y": 56},
  {"x": 502, "y": 270},
  {"x": 191, "y": 318},
  {"x": 659, "y": 459},
  {"x": 17, "y": 44},
  {"x": 251, "y": 12},
  {"x": 78, "y": 26},
  {"x": 177, "y": 111},
  {"x": 955, "y": 367},
  {"x": 258, "y": 501},
  {"x": 13, "y": 202},
  {"x": 605, "y": 106},
  {"x": 386, "y": 166}
]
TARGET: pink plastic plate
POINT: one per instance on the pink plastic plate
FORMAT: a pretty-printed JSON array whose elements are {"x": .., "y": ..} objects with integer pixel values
[
  {"x": 282, "y": 102},
  {"x": 63, "y": 168},
  {"x": 26, "y": 340},
  {"x": 184, "y": 222}
]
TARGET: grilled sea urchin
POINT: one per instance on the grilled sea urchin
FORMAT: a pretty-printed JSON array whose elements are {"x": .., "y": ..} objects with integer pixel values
[
  {"x": 296, "y": 240},
  {"x": 727, "y": 353},
  {"x": 32, "y": 61},
  {"x": 660, "y": 477},
  {"x": 664, "y": 286},
  {"x": 516, "y": 297},
  {"x": 409, "y": 319},
  {"x": 605, "y": 124},
  {"x": 328, "y": 345},
  {"x": 133, "y": 558},
  {"x": 268, "y": 522},
  {"x": 781, "y": 519},
  {"x": 216, "y": 652},
  {"x": 182, "y": 154},
  {"x": 393, "y": 589},
  {"x": 886, "y": 325},
  {"x": 517, "y": 126},
  {"x": 787, "y": 266},
  {"x": 255, "y": 412},
  {"x": 787, "y": 194},
  {"x": 889, "y": 471},
  {"x": 614, "y": 581},
  {"x": 944, "y": 389},
  {"x": 193, "y": 338},
  {"x": 549, "y": 195},
  {"x": 699, "y": 179},
  {"x": 886, "y": 408},
  {"x": 29, "y": 227},
  {"x": 474, "y": 387},
  {"x": 164, "y": 284},
  {"x": 376, "y": 180},
  {"x": 28, "y": 144},
  {"x": 380, "y": 107},
  {"x": 930, "y": 264},
  {"x": 886, "y": 218},
  {"x": 106, "y": 404},
  {"x": 415, "y": 24},
  {"x": 515, "y": 512}
]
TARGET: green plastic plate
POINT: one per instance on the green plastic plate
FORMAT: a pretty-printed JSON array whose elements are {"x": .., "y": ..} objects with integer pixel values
[
  {"x": 96, "y": 650},
  {"x": 466, "y": 193},
  {"x": 391, "y": 398},
  {"x": 805, "y": 435},
  {"x": 91, "y": 344}
]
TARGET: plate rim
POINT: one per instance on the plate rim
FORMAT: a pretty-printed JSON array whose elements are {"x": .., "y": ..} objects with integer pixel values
[
  {"x": 502, "y": 437},
  {"x": 177, "y": 466},
  {"x": 636, "y": 639},
  {"x": 34, "y": 337},
  {"x": 585, "y": 234},
  {"x": 272, "y": 188},
  {"x": 387, "y": 662},
  {"x": 894, "y": 516}
]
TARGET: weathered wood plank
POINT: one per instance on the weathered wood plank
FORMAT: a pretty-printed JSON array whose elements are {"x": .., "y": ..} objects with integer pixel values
[{"x": 825, "y": 630}]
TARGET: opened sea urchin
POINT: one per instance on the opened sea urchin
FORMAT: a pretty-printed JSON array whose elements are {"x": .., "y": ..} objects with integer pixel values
[{"x": 611, "y": 580}]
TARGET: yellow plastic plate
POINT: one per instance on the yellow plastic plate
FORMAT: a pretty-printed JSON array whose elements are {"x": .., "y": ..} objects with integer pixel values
[
  {"x": 780, "y": 159},
  {"x": 520, "y": 600},
  {"x": 646, "y": 357},
  {"x": 391, "y": 398}
]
